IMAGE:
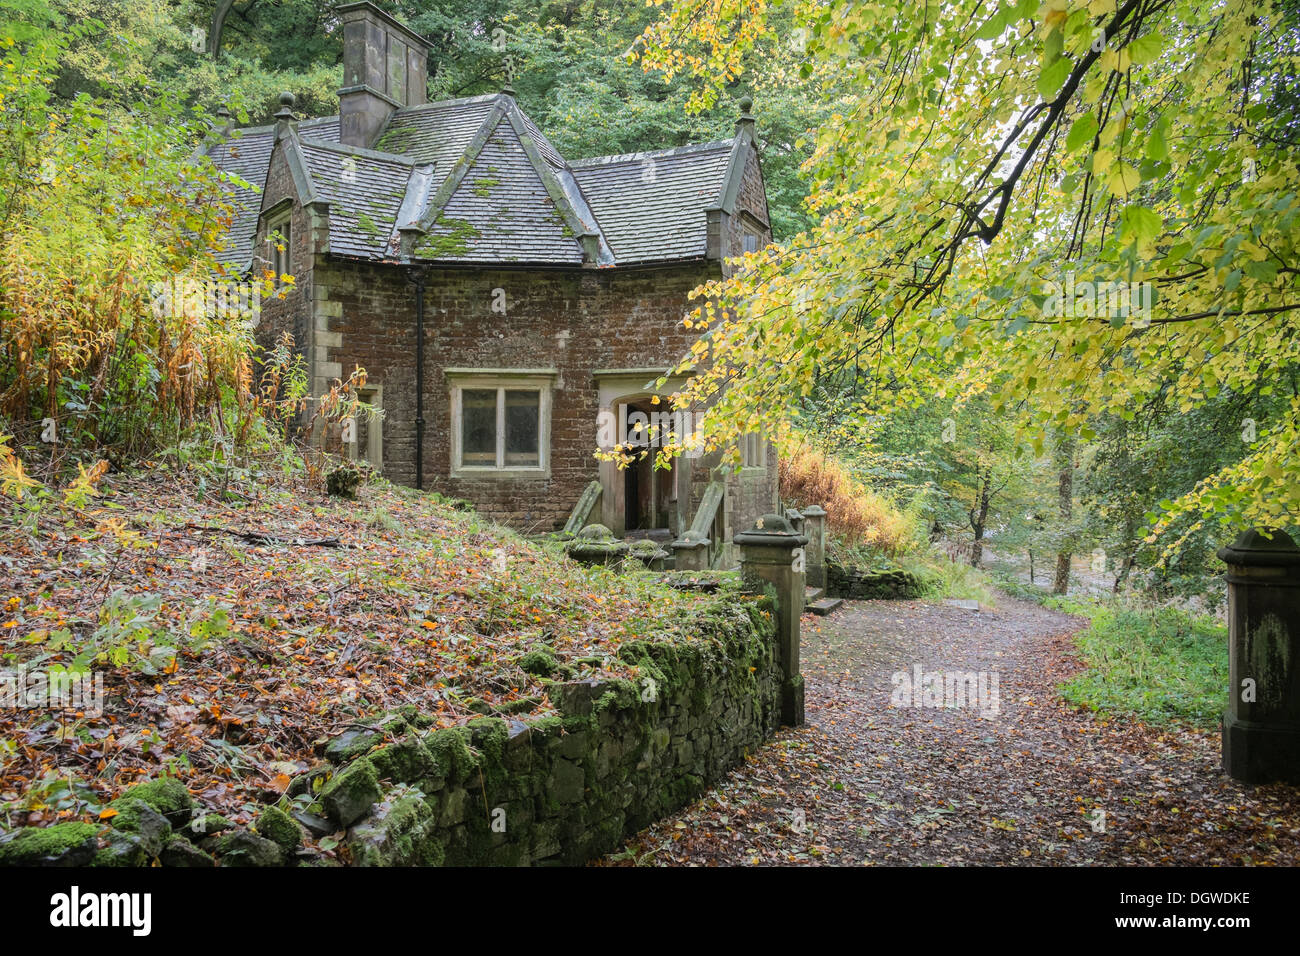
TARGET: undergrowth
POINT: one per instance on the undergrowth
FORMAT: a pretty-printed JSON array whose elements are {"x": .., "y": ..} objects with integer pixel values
[{"x": 1159, "y": 664}]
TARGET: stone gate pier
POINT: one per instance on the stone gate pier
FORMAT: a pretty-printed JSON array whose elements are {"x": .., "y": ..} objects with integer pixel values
[
  {"x": 1261, "y": 729},
  {"x": 771, "y": 554}
]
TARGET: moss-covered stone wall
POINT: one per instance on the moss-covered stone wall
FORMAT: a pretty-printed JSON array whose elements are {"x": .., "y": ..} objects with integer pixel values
[
  {"x": 558, "y": 789},
  {"x": 845, "y": 581},
  {"x": 565, "y": 788}
]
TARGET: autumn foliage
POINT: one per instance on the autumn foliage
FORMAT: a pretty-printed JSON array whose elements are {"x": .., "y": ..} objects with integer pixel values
[
  {"x": 118, "y": 327},
  {"x": 854, "y": 513}
]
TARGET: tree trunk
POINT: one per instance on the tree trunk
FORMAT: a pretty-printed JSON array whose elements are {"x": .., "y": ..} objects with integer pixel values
[
  {"x": 1065, "y": 511},
  {"x": 978, "y": 519},
  {"x": 1129, "y": 561}
]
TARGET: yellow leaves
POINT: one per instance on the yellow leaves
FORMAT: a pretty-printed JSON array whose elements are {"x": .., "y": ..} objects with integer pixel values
[
  {"x": 107, "y": 813},
  {"x": 1117, "y": 61},
  {"x": 1123, "y": 179},
  {"x": 14, "y": 481},
  {"x": 85, "y": 485},
  {"x": 1053, "y": 15}
]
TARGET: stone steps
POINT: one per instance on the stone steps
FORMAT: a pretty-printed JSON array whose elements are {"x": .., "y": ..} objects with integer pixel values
[{"x": 824, "y": 606}]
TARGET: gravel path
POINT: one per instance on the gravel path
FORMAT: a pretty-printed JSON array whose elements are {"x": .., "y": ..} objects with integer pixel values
[{"x": 1037, "y": 782}]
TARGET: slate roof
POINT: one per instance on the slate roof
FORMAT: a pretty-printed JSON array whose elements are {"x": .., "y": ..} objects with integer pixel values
[
  {"x": 436, "y": 133},
  {"x": 364, "y": 190},
  {"x": 652, "y": 205},
  {"x": 247, "y": 154},
  {"x": 501, "y": 212},
  {"x": 485, "y": 186}
]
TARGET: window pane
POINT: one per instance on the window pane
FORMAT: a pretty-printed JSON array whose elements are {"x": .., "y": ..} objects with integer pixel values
[
  {"x": 368, "y": 432},
  {"x": 523, "y": 415},
  {"x": 479, "y": 426},
  {"x": 281, "y": 236}
]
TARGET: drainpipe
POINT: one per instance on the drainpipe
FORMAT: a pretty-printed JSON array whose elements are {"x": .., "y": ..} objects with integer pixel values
[{"x": 417, "y": 278}]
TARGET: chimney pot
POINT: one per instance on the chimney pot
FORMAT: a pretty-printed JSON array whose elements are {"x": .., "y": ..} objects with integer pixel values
[{"x": 226, "y": 119}]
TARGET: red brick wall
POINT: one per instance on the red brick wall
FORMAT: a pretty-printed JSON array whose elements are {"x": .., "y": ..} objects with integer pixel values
[
  {"x": 574, "y": 322},
  {"x": 752, "y": 199},
  {"x": 293, "y": 312}
]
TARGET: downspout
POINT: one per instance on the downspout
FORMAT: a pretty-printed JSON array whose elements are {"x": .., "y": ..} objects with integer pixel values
[
  {"x": 408, "y": 233},
  {"x": 417, "y": 278}
]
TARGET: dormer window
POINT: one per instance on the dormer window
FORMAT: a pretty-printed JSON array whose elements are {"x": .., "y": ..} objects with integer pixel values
[
  {"x": 752, "y": 233},
  {"x": 279, "y": 240}
]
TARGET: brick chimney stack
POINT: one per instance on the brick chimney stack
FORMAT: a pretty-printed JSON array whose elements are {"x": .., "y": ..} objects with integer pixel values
[{"x": 385, "y": 67}]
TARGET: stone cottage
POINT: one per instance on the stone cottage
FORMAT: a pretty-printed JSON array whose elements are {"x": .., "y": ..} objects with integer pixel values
[{"x": 512, "y": 308}]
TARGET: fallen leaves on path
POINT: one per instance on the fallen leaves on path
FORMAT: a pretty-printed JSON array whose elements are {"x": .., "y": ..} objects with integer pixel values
[{"x": 866, "y": 783}]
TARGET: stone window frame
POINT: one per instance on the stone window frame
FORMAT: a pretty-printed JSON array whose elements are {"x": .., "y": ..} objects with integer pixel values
[
  {"x": 753, "y": 453},
  {"x": 278, "y": 218},
  {"x": 374, "y": 457},
  {"x": 541, "y": 380},
  {"x": 751, "y": 227}
]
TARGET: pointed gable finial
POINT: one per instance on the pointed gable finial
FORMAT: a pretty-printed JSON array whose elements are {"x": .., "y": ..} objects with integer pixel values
[
  {"x": 508, "y": 87},
  {"x": 226, "y": 119},
  {"x": 746, "y": 113},
  {"x": 285, "y": 117}
]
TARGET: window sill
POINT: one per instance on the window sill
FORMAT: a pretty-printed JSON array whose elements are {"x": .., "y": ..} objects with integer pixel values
[{"x": 516, "y": 473}]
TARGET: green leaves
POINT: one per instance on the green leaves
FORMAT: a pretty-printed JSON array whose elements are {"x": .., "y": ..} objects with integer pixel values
[
  {"x": 1053, "y": 76},
  {"x": 1156, "y": 148},
  {"x": 1141, "y": 224},
  {"x": 994, "y": 26},
  {"x": 1082, "y": 132},
  {"x": 1122, "y": 179},
  {"x": 1160, "y": 132},
  {"x": 1146, "y": 48}
]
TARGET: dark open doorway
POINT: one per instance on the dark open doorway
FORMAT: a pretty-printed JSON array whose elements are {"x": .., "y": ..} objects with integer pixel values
[{"x": 649, "y": 493}]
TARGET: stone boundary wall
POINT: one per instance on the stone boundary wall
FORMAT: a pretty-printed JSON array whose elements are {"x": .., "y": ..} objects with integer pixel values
[
  {"x": 567, "y": 788},
  {"x": 844, "y": 581},
  {"x": 560, "y": 789}
]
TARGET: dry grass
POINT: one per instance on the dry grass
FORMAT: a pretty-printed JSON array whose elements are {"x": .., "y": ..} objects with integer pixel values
[{"x": 856, "y": 515}]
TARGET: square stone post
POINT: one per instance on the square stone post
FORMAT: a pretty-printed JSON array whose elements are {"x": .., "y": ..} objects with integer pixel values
[
  {"x": 692, "y": 552},
  {"x": 814, "y": 526},
  {"x": 1261, "y": 730},
  {"x": 769, "y": 554},
  {"x": 793, "y": 516}
]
